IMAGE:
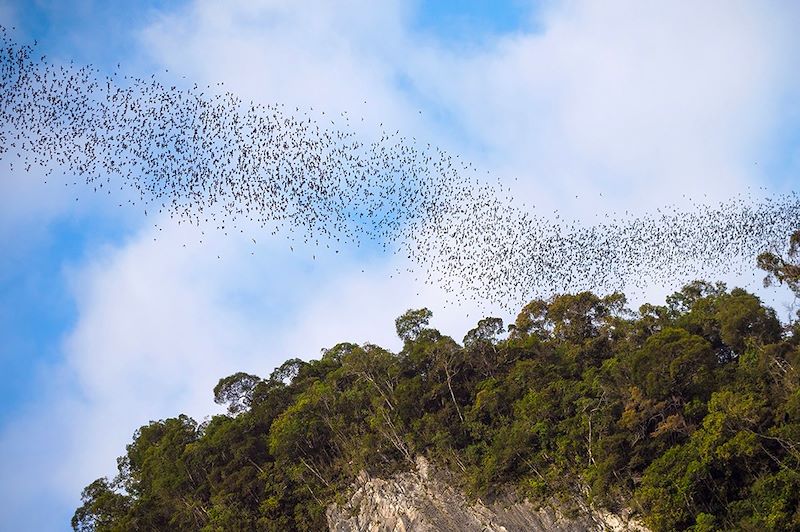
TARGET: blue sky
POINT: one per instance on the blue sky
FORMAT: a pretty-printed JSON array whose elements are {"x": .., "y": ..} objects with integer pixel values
[
  {"x": 473, "y": 21},
  {"x": 104, "y": 328},
  {"x": 36, "y": 306}
]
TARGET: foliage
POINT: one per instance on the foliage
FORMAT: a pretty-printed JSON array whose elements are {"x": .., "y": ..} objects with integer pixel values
[{"x": 689, "y": 413}]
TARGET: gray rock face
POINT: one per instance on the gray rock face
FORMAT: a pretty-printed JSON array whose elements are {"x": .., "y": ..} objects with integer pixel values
[{"x": 424, "y": 501}]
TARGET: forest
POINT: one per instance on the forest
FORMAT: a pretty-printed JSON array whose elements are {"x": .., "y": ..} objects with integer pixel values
[{"x": 687, "y": 413}]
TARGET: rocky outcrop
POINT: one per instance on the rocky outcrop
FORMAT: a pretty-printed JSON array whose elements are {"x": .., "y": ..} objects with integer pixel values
[{"x": 424, "y": 500}]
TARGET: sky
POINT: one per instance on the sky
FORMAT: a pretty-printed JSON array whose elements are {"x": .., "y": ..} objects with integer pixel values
[{"x": 108, "y": 321}]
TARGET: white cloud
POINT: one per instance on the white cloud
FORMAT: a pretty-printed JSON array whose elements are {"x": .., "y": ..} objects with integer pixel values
[
  {"x": 636, "y": 99},
  {"x": 642, "y": 101},
  {"x": 329, "y": 56},
  {"x": 159, "y": 324}
]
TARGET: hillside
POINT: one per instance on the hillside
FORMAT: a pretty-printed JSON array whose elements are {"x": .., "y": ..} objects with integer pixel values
[{"x": 687, "y": 414}]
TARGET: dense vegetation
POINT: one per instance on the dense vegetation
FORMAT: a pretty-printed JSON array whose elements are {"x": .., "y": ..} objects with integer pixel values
[{"x": 688, "y": 413}]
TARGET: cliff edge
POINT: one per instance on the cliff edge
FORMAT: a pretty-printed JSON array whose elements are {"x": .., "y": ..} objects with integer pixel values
[{"x": 424, "y": 500}]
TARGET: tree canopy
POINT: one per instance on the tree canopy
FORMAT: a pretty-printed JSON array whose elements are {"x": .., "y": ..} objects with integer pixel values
[{"x": 688, "y": 413}]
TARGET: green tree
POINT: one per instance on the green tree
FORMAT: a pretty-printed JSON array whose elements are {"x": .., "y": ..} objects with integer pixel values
[
  {"x": 687, "y": 412},
  {"x": 783, "y": 270},
  {"x": 236, "y": 391}
]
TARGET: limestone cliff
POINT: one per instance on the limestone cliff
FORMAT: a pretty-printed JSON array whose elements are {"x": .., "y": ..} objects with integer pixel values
[{"x": 424, "y": 500}]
